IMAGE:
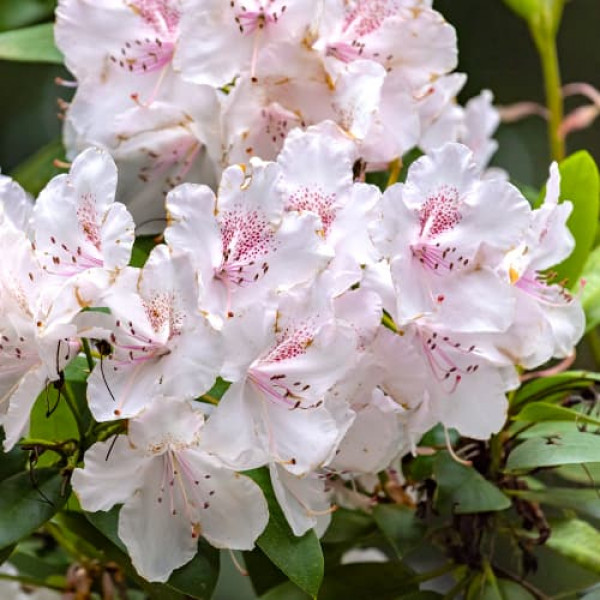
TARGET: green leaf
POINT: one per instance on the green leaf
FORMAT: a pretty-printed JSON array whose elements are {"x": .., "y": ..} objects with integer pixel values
[
  {"x": 563, "y": 449},
  {"x": 577, "y": 541},
  {"x": 23, "y": 508},
  {"x": 6, "y": 552},
  {"x": 499, "y": 589},
  {"x": 31, "y": 44},
  {"x": 400, "y": 526},
  {"x": 38, "y": 169},
  {"x": 348, "y": 526},
  {"x": 58, "y": 427},
  {"x": 11, "y": 462},
  {"x": 358, "y": 581},
  {"x": 544, "y": 387},
  {"x": 264, "y": 575},
  {"x": 24, "y": 12},
  {"x": 142, "y": 247},
  {"x": 579, "y": 183},
  {"x": 463, "y": 490},
  {"x": 537, "y": 412},
  {"x": 582, "y": 501},
  {"x": 285, "y": 591},
  {"x": 590, "y": 290},
  {"x": 197, "y": 578},
  {"x": 300, "y": 558}
]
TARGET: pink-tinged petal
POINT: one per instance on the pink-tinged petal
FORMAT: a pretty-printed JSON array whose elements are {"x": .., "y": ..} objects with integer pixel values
[
  {"x": 362, "y": 309},
  {"x": 304, "y": 364},
  {"x": 478, "y": 406},
  {"x": 112, "y": 471},
  {"x": 227, "y": 494},
  {"x": 121, "y": 391},
  {"x": 219, "y": 41},
  {"x": 357, "y": 96},
  {"x": 16, "y": 420},
  {"x": 192, "y": 227},
  {"x": 118, "y": 235},
  {"x": 165, "y": 423},
  {"x": 155, "y": 525},
  {"x": 232, "y": 433},
  {"x": 373, "y": 440},
  {"x": 191, "y": 369},
  {"x": 15, "y": 204},
  {"x": 319, "y": 159},
  {"x": 77, "y": 225},
  {"x": 441, "y": 117},
  {"x": 481, "y": 120},
  {"x": 378, "y": 278},
  {"x": 300, "y": 440},
  {"x": 303, "y": 500}
]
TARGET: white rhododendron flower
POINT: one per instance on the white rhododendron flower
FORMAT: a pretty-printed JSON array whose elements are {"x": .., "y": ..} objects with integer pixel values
[
  {"x": 336, "y": 324},
  {"x": 160, "y": 343},
  {"x": 172, "y": 491}
]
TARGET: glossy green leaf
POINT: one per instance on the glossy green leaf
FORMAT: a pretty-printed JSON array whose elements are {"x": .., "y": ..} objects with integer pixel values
[
  {"x": 348, "y": 526},
  {"x": 38, "y": 169},
  {"x": 31, "y": 44},
  {"x": 463, "y": 489},
  {"x": 58, "y": 426},
  {"x": 356, "y": 581},
  {"x": 582, "y": 501},
  {"x": 25, "y": 507},
  {"x": 300, "y": 558},
  {"x": 590, "y": 290},
  {"x": 264, "y": 575},
  {"x": 545, "y": 387},
  {"x": 499, "y": 589},
  {"x": 197, "y": 578},
  {"x": 141, "y": 250},
  {"x": 537, "y": 412},
  {"x": 564, "y": 449},
  {"x": 578, "y": 541},
  {"x": 400, "y": 526},
  {"x": 285, "y": 591},
  {"x": 579, "y": 183},
  {"x": 11, "y": 462}
]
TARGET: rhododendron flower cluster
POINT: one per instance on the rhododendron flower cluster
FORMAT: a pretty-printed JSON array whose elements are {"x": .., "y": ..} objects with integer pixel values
[
  {"x": 343, "y": 322},
  {"x": 178, "y": 90}
]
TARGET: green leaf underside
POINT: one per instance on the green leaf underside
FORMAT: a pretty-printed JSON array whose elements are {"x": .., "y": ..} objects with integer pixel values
[
  {"x": 464, "y": 490},
  {"x": 300, "y": 558},
  {"x": 552, "y": 451},
  {"x": 23, "y": 508},
  {"x": 30, "y": 44}
]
